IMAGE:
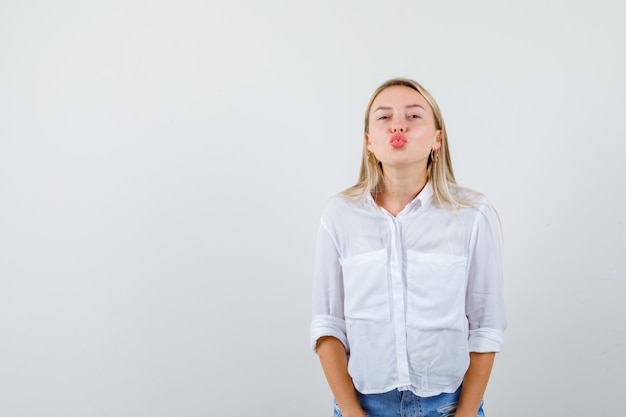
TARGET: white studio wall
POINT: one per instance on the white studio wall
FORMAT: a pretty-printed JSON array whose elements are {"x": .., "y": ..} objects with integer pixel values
[{"x": 163, "y": 166}]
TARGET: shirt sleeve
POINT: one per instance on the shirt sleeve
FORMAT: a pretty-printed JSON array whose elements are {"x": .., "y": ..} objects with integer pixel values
[
  {"x": 327, "y": 296},
  {"x": 485, "y": 293}
]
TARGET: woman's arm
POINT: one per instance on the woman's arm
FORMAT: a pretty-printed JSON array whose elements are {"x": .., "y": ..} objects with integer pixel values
[
  {"x": 475, "y": 383},
  {"x": 484, "y": 309},
  {"x": 332, "y": 354}
]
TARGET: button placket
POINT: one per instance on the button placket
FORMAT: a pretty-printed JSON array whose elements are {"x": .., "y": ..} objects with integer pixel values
[{"x": 398, "y": 301}]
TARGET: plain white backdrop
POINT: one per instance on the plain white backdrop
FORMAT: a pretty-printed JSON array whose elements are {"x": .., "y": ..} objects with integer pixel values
[{"x": 163, "y": 166}]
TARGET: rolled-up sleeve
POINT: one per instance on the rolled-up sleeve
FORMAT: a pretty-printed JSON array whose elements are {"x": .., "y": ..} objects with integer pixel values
[
  {"x": 485, "y": 289},
  {"x": 327, "y": 295}
]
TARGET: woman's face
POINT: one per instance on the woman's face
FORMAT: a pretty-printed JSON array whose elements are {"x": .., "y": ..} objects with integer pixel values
[{"x": 402, "y": 128}]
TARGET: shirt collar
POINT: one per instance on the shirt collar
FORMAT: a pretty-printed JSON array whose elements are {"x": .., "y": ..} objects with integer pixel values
[{"x": 420, "y": 199}]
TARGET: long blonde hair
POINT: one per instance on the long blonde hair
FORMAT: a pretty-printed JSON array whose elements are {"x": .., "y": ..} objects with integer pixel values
[{"x": 439, "y": 167}]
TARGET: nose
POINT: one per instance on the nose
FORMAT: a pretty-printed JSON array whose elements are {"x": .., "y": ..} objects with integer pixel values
[{"x": 398, "y": 124}]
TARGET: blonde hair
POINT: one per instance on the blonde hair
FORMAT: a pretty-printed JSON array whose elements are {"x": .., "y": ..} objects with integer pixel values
[{"x": 439, "y": 168}]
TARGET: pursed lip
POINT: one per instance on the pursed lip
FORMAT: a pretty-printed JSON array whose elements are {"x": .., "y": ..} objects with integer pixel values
[{"x": 398, "y": 140}]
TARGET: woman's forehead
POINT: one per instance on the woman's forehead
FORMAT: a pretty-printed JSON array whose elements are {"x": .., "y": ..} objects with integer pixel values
[{"x": 399, "y": 95}]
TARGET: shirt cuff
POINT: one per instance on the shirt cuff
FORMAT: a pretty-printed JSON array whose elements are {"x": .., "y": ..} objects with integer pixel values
[
  {"x": 325, "y": 325},
  {"x": 486, "y": 340}
]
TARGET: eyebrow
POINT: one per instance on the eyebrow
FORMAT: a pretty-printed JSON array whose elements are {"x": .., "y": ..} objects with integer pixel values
[{"x": 406, "y": 107}]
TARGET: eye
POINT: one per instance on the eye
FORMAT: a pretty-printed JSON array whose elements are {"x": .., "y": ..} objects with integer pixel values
[
  {"x": 414, "y": 116},
  {"x": 383, "y": 117}
]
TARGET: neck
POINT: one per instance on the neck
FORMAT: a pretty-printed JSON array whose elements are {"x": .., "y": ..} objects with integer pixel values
[{"x": 400, "y": 188}]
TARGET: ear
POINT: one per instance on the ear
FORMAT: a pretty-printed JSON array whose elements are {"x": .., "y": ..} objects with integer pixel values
[
  {"x": 437, "y": 140},
  {"x": 367, "y": 142}
]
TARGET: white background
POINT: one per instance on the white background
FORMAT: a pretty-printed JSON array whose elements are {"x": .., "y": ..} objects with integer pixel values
[{"x": 163, "y": 166}]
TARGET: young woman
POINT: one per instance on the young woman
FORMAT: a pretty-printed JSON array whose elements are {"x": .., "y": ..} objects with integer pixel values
[{"x": 408, "y": 307}]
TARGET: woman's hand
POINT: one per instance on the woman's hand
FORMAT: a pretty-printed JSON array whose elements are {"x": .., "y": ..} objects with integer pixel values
[{"x": 334, "y": 361}]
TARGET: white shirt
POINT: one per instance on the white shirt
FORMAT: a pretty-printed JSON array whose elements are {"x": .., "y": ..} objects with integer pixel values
[{"x": 409, "y": 296}]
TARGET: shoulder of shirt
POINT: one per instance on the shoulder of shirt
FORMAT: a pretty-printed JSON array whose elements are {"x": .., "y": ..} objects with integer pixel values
[
  {"x": 338, "y": 205},
  {"x": 478, "y": 199},
  {"x": 481, "y": 208},
  {"x": 342, "y": 202}
]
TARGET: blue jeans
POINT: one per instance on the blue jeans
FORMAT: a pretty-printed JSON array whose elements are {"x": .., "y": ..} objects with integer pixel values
[{"x": 406, "y": 404}]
